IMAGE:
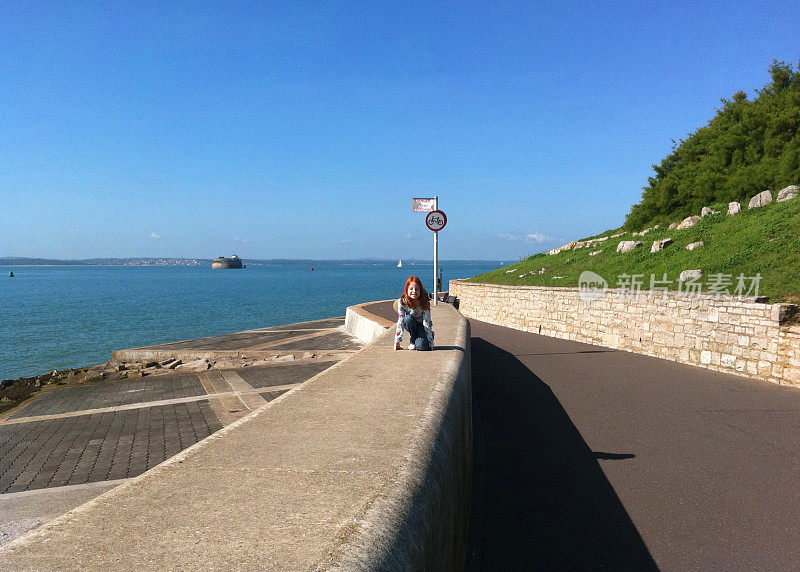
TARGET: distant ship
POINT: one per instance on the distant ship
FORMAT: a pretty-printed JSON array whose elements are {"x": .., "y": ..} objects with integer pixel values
[
  {"x": 223, "y": 262},
  {"x": 399, "y": 263}
]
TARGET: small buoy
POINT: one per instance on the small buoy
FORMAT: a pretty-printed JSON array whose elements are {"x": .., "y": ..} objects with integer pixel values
[
  {"x": 312, "y": 269},
  {"x": 10, "y": 273}
]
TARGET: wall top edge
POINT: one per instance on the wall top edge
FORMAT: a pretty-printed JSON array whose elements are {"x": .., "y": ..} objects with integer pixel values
[{"x": 758, "y": 301}]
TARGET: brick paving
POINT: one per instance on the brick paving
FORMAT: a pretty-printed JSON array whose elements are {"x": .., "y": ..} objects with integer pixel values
[
  {"x": 113, "y": 394},
  {"x": 75, "y": 448},
  {"x": 106, "y": 446},
  {"x": 250, "y": 338},
  {"x": 283, "y": 374},
  {"x": 333, "y": 341},
  {"x": 227, "y": 342}
]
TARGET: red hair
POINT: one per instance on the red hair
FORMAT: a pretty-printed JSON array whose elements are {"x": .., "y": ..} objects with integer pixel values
[{"x": 422, "y": 301}]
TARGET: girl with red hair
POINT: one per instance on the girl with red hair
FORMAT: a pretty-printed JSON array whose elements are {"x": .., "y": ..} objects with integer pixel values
[{"x": 414, "y": 316}]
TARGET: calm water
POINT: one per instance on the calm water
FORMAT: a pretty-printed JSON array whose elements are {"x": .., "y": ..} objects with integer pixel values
[{"x": 62, "y": 317}]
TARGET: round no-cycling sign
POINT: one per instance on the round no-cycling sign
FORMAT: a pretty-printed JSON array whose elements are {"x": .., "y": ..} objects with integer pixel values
[{"x": 435, "y": 220}]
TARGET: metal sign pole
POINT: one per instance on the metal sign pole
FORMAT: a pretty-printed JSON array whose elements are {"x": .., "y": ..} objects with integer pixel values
[{"x": 435, "y": 257}]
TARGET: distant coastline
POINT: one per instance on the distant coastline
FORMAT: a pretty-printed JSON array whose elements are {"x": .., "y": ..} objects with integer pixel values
[{"x": 206, "y": 262}]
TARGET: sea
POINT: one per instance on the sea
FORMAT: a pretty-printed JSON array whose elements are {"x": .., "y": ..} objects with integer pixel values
[{"x": 58, "y": 317}]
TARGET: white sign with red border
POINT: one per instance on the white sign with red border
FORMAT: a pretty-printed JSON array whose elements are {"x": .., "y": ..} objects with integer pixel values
[{"x": 436, "y": 220}]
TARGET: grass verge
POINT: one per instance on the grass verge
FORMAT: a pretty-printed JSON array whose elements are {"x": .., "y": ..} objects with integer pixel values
[{"x": 755, "y": 252}]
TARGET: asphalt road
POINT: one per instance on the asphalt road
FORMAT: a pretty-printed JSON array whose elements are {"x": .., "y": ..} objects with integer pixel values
[{"x": 588, "y": 457}]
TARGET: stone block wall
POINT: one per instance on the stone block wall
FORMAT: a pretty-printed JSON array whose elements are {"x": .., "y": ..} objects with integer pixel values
[{"x": 724, "y": 333}]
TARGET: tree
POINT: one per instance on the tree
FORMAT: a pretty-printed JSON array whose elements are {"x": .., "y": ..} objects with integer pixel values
[{"x": 748, "y": 146}]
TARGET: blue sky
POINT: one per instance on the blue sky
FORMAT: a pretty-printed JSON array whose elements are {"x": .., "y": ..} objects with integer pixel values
[{"x": 303, "y": 129}]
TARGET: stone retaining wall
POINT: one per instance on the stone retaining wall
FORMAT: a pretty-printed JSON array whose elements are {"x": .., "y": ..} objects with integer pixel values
[{"x": 724, "y": 333}]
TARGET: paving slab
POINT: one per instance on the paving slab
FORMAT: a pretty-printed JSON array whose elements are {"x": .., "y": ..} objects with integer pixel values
[
  {"x": 89, "y": 448},
  {"x": 20, "y": 512},
  {"x": 259, "y": 342},
  {"x": 283, "y": 374},
  {"x": 112, "y": 394},
  {"x": 336, "y": 340}
]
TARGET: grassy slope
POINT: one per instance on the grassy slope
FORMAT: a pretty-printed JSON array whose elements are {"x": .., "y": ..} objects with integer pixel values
[{"x": 765, "y": 240}]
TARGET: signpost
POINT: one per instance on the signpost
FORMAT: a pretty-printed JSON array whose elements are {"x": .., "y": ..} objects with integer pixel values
[{"x": 434, "y": 220}]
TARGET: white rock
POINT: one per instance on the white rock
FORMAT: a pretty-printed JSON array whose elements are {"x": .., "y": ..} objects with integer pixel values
[
  {"x": 659, "y": 245},
  {"x": 787, "y": 194},
  {"x": 760, "y": 200},
  {"x": 673, "y": 226},
  {"x": 694, "y": 245},
  {"x": 708, "y": 211},
  {"x": 734, "y": 207},
  {"x": 595, "y": 253},
  {"x": 196, "y": 365},
  {"x": 288, "y": 357},
  {"x": 628, "y": 245},
  {"x": 567, "y": 246},
  {"x": 690, "y": 275},
  {"x": 689, "y": 221}
]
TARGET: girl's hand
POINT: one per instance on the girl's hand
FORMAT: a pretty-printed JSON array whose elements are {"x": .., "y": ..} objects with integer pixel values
[{"x": 397, "y": 346}]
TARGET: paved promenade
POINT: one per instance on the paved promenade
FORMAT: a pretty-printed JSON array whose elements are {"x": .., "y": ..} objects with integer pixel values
[
  {"x": 588, "y": 457},
  {"x": 70, "y": 444}
]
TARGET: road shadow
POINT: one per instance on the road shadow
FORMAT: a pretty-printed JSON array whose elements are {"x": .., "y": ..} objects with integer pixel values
[
  {"x": 540, "y": 499},
  {"x": 567, "y": 353}
]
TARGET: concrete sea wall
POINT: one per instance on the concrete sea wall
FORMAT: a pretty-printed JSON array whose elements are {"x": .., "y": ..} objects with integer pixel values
[
  {"x": 364, "y": 325},
  {"x": 366, "y": 466},
  {"x": 422, "y": 523},
  {"x": 723, "y": 333}
]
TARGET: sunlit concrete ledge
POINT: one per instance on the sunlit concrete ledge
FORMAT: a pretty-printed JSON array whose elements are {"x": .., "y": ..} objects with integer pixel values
[
  {"x": 363, "y": 324},
  {"x": 365, "y": 466}
]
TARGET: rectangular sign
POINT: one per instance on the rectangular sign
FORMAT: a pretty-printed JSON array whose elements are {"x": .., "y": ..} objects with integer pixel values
[{"x": 423, "y": 205}]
